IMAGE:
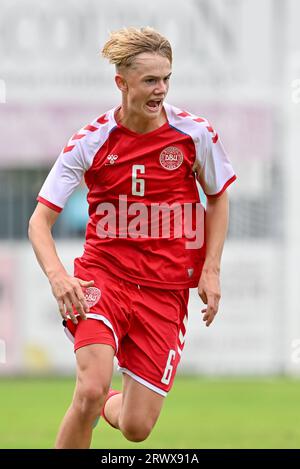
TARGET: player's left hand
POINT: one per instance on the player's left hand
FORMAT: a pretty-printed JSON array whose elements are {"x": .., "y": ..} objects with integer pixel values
[{"x": 210, "y": 293}]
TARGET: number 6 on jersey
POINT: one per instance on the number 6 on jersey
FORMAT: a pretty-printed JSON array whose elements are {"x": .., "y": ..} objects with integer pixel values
[{"x": 138, "y": 185}]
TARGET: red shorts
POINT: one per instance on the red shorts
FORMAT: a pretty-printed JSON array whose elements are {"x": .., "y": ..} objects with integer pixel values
[{"x": 146, "y": 326}]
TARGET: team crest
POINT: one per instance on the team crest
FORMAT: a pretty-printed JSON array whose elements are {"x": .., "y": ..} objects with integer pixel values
[
  {"x": 171, "y": 158},
  {"x": 112, "y": 159},
  {"x": 92, "y": 295}
]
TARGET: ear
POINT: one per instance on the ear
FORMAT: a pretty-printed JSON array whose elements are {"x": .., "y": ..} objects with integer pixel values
[{"x": 121, "y": 83}]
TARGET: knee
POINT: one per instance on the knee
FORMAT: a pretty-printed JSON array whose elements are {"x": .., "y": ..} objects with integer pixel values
[
  {"x": 89, "y": 398},
  {"x": 94, "y": 393},
  {"x": 135, "y": 432}
]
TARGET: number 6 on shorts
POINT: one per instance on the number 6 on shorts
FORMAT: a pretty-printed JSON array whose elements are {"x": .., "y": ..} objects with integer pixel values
[{"x": 169, "y": 368}]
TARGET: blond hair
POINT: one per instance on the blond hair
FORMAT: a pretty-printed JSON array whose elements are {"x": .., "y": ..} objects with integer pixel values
[{"x": 125, "y": 44}]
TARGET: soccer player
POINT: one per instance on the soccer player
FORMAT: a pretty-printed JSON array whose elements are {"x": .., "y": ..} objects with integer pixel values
[{"x": 146, "y": 240}]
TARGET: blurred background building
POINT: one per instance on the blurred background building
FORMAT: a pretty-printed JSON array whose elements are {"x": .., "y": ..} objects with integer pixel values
[{"x": 236, "y": 62}]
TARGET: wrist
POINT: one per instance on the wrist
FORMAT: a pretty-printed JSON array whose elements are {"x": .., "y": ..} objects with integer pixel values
[
  {"x": 53, "y": 273},
  {"x": 211, "y": 267}
]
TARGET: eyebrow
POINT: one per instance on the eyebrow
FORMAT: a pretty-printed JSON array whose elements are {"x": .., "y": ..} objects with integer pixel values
[{"x": 154, "y": 76}]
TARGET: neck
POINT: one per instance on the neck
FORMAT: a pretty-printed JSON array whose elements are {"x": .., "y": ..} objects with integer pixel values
[{"x": 133, "y": 121}]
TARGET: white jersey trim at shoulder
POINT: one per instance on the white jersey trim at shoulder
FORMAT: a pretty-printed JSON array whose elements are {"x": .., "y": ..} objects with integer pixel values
[
  {"x": 189, "y": 123},
  {"x": 212, "y": 166},
  {"x": 92, "y": 136},
  {"x": 74, "y": 160}
]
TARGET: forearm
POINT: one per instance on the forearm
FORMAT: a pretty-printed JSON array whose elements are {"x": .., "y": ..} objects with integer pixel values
[
  {"x": 43, "y": 244},
  {"x": 217, "y": 213},
  {"x": 66, "y": 289}
]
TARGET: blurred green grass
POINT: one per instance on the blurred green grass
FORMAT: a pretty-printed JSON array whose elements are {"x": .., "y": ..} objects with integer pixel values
[{"x": 198, "y": 413}]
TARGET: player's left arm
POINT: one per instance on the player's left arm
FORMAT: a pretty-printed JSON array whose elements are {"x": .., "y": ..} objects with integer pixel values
[
  {"x": 217, "y": 211},
  {"x": 215, "y": 174}
]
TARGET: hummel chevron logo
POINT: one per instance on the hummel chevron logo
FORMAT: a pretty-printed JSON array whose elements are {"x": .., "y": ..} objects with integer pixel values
[{"x": 112, "y": 159}]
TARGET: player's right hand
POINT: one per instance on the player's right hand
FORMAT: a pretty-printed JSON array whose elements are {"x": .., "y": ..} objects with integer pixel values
[{"x": 68, "y": 292}]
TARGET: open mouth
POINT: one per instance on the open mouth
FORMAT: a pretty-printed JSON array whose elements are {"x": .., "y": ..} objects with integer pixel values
[{"x": 154, "y": 105}]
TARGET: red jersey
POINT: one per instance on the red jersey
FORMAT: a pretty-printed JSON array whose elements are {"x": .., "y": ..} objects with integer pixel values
[{"x": 145, "y": 215}]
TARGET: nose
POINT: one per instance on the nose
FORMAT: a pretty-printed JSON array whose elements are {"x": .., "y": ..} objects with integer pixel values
[{"x": 161, "y": 87}]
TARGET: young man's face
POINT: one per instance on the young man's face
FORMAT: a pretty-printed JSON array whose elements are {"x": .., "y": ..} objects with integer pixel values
[{"x": 146, "y": 84}]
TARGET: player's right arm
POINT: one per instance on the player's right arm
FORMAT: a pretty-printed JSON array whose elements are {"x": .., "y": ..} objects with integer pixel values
[
  {"x": 67, "y": 290},
  {"x": 65, "y": 175}
]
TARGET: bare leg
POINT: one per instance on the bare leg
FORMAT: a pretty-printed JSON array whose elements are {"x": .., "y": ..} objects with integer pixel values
[
  {"x": 94, "y": 372},
  {"x": 135, "y": 411},
  {"x": 113, "y": 409}
]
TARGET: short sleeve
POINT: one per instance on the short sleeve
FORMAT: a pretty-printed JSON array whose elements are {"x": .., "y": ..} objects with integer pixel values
[
  {"x": 214, "y": 170},
  {"x": 63, "y": 178}
]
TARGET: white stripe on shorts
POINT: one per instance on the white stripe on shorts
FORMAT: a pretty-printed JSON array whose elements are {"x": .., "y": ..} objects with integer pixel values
[{"x": 143, "y": 381}]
